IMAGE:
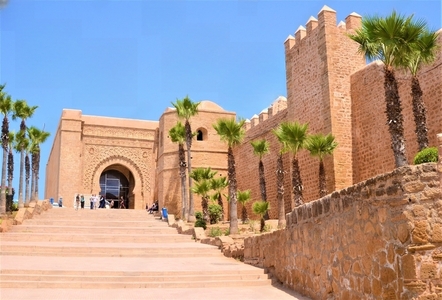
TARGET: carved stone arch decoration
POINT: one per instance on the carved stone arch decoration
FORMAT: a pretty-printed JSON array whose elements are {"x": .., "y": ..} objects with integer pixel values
[{"x": 118, "y": 160}]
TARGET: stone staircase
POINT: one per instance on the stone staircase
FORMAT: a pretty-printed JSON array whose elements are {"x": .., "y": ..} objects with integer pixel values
[{"x": 113, "y": 249}]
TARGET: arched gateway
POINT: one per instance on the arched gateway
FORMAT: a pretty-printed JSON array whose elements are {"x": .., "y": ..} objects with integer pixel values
[
  {"x": 135, "y": 159},
  {"x": 100, "y": 155}
]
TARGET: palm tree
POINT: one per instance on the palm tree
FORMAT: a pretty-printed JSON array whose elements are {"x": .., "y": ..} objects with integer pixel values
[
  {"x": 424, "y": 53},
  {"x": 37, "y": 138},
  {"x": 202, "y": 176},
  {"x": 280, "y": 177},
  {"x": 186, "y": 109},
  {"x": 388, "y": 39},
  {"x": 261, "y": 147},
  {"x": 28, "y": 148},
  {"x": 231, "y": 132},
  {"x": 11, "y": 144},
  {"x": 319, "y": 146},
  {"x": 261, "y": 208},
  {"x": 218, "y": 185},
  {"x": 5, "y": 108},
  {"x": 178, "y": 135},
  {"x": 295, "y": 136},
  {"x": 202, "y": 188},
  {"x": 243, "y": 198},
  {"x": 21, "y": 142},
  {"x": 23, "y": 111}
]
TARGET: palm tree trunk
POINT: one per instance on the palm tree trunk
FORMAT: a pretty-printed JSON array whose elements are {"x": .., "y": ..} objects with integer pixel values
[
  {"x": 280, "y": 195},
  {"x": 232, "y": 192},
  {"x": 32, "y": 178},
  {"x": 296, "y": 182},
  {"x": 20, "y": 182},
  {"x": 220, "y": 203},
  {"x": 395, "y": 118},
  {"x": 37, "y": 174},
  {"x": 189, "y": 137},
  {"x": 9, "y": 198},
  {"x": 205, "y": 208},
  {"x": 420, "y": 114},
  {"x": 182, "y": 159},
  {"x": 322, "y": 180},
  {"x": 27, "y": 177},
  {"x": 262, "y": 186},
  {"x": 3, "y": 188},
  {"x": 244, "y": 214}
]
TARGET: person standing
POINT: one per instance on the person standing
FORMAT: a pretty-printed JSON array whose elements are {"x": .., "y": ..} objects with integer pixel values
[
  {"x": 122, "y": 206},
  {"x": 82, "y": 201},
  {"x": 77, "y": 202},
  {"x": 91, "y": 199}
]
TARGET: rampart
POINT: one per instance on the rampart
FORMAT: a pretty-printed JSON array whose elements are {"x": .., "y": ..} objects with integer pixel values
[
  {"x": 330, "y": 87},
  {"x": 379, "y": 239}
]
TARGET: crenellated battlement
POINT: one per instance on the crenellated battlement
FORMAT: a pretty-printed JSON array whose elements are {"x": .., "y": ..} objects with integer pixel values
[
  {"x": 326, "y": 19},
  {"x": 278, "y": 105}
]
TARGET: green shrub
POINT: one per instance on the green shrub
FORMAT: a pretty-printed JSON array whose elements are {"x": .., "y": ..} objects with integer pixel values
[
  {"x": 215, "y": 231},
  {"x": 227, "y": 231},
  {"x": 198, "y": 215},
  {"x": 426, "y": 155},
  {"x": 215, "y": 213},
  {"x": 201, "y": 223},
  {"x": 14, "y": 207}
]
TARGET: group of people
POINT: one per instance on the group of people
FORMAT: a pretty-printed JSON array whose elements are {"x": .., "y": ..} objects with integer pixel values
[{"x": 97, "y": 201}]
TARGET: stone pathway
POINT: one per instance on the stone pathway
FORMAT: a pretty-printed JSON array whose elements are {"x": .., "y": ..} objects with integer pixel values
[{"x": 119, "y": 254}]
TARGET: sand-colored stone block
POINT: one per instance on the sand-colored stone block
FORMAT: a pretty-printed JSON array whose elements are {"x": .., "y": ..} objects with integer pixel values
[{"x": 420, "y": 234}]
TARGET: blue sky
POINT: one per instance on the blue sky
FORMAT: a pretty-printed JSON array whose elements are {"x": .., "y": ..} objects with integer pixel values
[{"x": 131, "y": 59}]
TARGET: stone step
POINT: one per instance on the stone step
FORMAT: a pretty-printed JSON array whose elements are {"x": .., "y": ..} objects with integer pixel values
[
  {"x": 96, "y": 230},
  {"x": 96, "y": 238},
  {"x": 98, "y": 223},
  {"x": 131, "y": 285},
  {"x": 151, "y": 278}
]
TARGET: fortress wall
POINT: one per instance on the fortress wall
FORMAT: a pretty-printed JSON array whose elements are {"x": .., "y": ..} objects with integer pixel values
[
  {"x": 381, "y": 238},
  {"x": 247, "y": 167},
  {"x": 210, "y": 152},
  {"x": 372, "y": 152},
  {"x": 71, "y": 148},
  {"x": 319, "y": 61},
  {"x": 52, "y": 170}
]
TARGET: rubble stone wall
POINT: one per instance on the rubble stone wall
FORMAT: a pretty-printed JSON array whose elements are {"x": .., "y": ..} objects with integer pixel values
[{"x": 379, "y": 239}]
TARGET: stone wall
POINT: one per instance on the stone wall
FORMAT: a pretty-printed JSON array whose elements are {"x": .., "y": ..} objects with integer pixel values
[
  {"x": 379, "y": 239},
  {"x": 372, "y": 152}
]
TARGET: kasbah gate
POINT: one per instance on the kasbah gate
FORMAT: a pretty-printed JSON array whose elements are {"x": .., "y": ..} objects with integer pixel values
[{"x": 380, "y": 225}]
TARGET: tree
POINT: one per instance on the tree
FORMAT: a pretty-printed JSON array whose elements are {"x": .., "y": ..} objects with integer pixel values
[
  {"x": 319, "y": 146},
  {"x": 388, "y": 39},
  {"x": 37, "y": 138},
  {"x": 243, "y": 198},
  {"x": 280, "y": 177},
  {"x": 423, "y": 53},
  {"x": 294, "y": 135},
  {"x": 21, "y": 142},
  {"x": 261, "y": 208},
  {"x": 23, "y": 111},
  {"x": 260, "y": 148},
  {"x": 232, "y": 133},
  {"x": 27, "y": 146},
  {"x": 178, "y": 135},
  {"x": 5, "y": 108},
  {"x": 202, "y": 176},
  {"x": 202, "y": 188},
  {"x": 218, "y": 185},
  {"x": 186, "y": 109},
  {"x": 10, "y": 167}
]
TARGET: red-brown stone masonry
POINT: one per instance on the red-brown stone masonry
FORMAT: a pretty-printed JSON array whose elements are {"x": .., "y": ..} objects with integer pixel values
[
  {"x": 318, "y": 89},
  {"x": 70, "y": 176},
  {"x": 372, "y": 152},
  {"x": 52, "y": 169},
  {"x": 247, "y": 167}
]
